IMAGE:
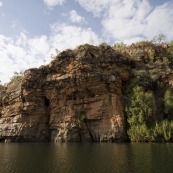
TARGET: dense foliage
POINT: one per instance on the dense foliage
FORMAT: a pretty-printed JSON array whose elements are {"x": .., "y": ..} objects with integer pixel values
[
  {"x": 140, "y": 112},
  {"x": 140, "y": 106}
]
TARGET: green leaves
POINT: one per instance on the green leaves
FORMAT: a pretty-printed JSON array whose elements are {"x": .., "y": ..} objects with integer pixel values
[
  {"x": 81, "y": 121},
  {"x": 162, "y": 131},
  {"x": 170, "y": 51},
  {"x": 140, "y": 106},
  {"x": 139, "y": 115},
  {"x": 168, "y": 102},
  {"x": 120, "y": 47},
  {"x": 139, "y": 133},
  {"x": 159, "y": 38}
]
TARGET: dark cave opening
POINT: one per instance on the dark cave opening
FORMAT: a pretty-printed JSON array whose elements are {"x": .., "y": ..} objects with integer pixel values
[{"x": 46, "y": 102}]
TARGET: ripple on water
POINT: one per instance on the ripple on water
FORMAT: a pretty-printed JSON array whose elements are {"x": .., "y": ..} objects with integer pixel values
[{"x": 86, "y": 158}]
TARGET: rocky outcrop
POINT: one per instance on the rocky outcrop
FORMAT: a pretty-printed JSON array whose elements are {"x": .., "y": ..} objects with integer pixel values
[
  {"x": 83, "y": 93},
  {"x": 77, "y": 97}
]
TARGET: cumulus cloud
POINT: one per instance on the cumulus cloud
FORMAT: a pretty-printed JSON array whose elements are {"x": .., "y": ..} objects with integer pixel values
[
  {"x": 75, "y": 18},
  {"x": 96, "y": 6},
  {"x": 69, "y": 36},
  {"x": 23, "y": 52},
  {"x": 126, "y": 19},
  {"x": 130, "y": 21},
  {"x": 51, "y": 3},
  {"x": 0, "y": 4},
  {"x": 160, "y": 20},
  {"x": 18, "y": 55}
]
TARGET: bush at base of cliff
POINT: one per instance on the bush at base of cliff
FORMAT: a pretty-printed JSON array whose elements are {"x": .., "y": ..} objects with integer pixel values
[
  {"x": 160, "y": 132},
  {"x": 168, "y": 104},
  {"x": 140, "y": 106},
  {"x": 139, "y": 110},
  {"x": 139, "y": 133}
]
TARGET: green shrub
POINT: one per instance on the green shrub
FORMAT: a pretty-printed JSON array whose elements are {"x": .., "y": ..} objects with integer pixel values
[
  {"x": 139, "y": 133},
  {"x": 166, "y": 60},
  {"x": 136, "y": 54},
  {"x": 159, "y": 38},
  {"x": 151, "y": 56},
  {"x": 140, "y": 106},
  {"x": 162, "y": 131},
  {"x": 154, "y": 74},
  {"x": 103, "y": 44},
  {"x": 81, "y": 121},
  {"x": 168, "y": 103},
  {"x": 120, "y": 47},
  {"x": 170, "y": 51}
]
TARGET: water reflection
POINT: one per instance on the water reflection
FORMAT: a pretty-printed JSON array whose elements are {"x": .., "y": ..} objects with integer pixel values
[{"x": 86, "y": 158}]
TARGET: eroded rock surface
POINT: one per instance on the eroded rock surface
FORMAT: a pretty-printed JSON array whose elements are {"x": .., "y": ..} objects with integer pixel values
[{"x": 77, "y": 97}]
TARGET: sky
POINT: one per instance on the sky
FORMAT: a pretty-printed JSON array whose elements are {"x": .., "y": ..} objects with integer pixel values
[{"x": 30, "y": 31}]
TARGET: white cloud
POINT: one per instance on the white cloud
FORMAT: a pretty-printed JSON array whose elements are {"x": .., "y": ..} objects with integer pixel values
[
  {"x": 133, "y": 20},
  {"x": 121, "y": 20},
  {"x": 18, "y": 55},
  {"x": 39, "y": 45},
  {"x": 52, "y": 3},
  {"x": 160, "y": 20},
  {"x": 1, "y": 4},
  {"x": 75, "y": 18},
  {"x": 126, "y": 19},
  {"x": 23, "y": 52},
  {"x": 68, "y": 36},
  {"x": 96, "y": 6}
]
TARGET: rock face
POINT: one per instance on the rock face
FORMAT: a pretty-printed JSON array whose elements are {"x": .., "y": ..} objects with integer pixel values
[{"x": 77, "y": 97}]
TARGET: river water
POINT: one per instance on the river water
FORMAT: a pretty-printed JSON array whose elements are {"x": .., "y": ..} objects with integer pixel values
[{"x": 86, "y": 158}]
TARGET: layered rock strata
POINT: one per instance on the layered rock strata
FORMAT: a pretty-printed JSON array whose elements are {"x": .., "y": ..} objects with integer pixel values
[{"x": 77, "y": 97}]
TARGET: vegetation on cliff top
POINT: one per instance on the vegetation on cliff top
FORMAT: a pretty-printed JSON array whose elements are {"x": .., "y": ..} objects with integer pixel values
[
  {"x": 15, "y": 77},
  {"x": 148, "y": 93}
]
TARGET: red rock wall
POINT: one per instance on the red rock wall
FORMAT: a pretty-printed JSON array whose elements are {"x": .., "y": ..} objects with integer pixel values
[{"x": 77, "y": 97}]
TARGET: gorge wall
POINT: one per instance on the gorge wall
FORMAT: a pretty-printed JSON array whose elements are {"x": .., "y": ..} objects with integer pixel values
[{"x": 79, "y": 96}]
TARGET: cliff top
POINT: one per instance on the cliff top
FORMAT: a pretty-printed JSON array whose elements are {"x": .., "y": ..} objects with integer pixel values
[{"x": 86, "y": 57}]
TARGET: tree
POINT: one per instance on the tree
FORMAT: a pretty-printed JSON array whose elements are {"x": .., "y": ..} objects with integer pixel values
[
  {"x": 162, "y": 131},
  {"x": 119, "y": 47},
  {"x": 15, "y": 77},
  {"x": 170, "y": 51},
  {"x": 139, "y": 112},
  {"x": 140, "y": 107},
  {"x": 154, "y": 39},
  {"x": 168, "y": 103},
  {"x": 160, "y": 37},
  {"x": 57, "y": 53}
]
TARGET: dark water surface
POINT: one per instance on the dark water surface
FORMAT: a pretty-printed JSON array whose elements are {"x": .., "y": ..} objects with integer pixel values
[{"x": 86, "y": 158}]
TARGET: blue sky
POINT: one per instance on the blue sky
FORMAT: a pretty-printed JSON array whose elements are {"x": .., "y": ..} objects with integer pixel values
[{"x": 31, "y": 30}]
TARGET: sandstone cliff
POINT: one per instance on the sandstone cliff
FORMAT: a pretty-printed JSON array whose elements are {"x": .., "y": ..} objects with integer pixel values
[
  {"x": 88, "y": 94},
  {"x": 77, "y": 97}
]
